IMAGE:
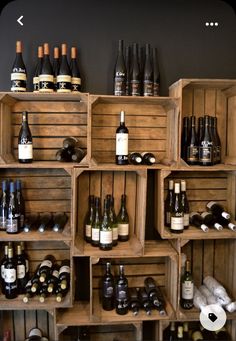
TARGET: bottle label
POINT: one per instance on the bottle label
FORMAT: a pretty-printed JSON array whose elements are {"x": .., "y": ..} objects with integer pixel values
[
  {"x": 156, "y": 89},
  {"x": 187, "y": 290},
  {"x": 36, "y": 84},
  {"x": 18, "y": 81},
  {"x": 95, "y": 234},
  {"x": 88, "y": 230},
  {"x": 12, "y": 225},
  {"x": 64, "y": 268},
  {"x": 46, "y": 263},
  {"x": 25, "y": 151},
  {"x": 147, "y": 88},
  {"x": 55, "y": 273},
  {"x": 192, "y": 153},
  {"x": 122, "y": 144},
  {"x": 10, "y": 275},
  {"x": 20, "y": 271},
  {"x": 177, "y": 223},
  {"x": 205, "y": 154},
  {"x": 75, "y": 84},
  {"x": 135, "y": 88},
  {"x": 186, "y": 219},
  {"x": 210, "y": 204},
  {"x": 106, "y": 237},
  {"x": 123, "y": 229},
  {"x": 114, "y": 233},
  {"x": 46, "y": 83},
  {"x": 119, "y": 84},
  {"x": 63, "y": 83},
  {"x": 108, "y": 290},
  {"x": 121, "y": 292}
]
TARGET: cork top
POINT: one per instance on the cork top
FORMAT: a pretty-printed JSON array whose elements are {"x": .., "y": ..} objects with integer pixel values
[
  {"x": 63, "y": 49},
  {"x": 56, "y": 52},
  {"x": 46, "y": 48},
  {"x": 40, "y": 52},
  {"x": 73, "y": 52},
  {"x": 18, "y": 46}
]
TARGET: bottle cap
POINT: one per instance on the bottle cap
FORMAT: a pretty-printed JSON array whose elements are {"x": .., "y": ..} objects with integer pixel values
[
  {"x": 225, "y": 215},
  {"x": 232, "y": 227},
  {"x": 177, "y": 187},
  {"x": 40, "y": 52},
  {"x": 46, "y": 48},
  {"x": 171, "y": 184},
  {"x": 35, "y": 332},
  {"x": 18, "y": 46},
  {"x": 63, "y": 49},
  {"x": 183, "y": 185},
  {"x": 204, "y": 228},
  {"x": 73, "y": 52},
  {"x": 56, "y": 52},
  {"x": 218, "y": 226}
]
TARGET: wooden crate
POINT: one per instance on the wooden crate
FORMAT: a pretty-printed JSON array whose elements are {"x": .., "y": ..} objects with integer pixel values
[
  {"x": 216, "y": 97},
  {"x": 51, "y": 119},
  {"x": 202, "y": 187},
  {"x": 100, "y": 182},
  {"x": 152, "y": 124}
]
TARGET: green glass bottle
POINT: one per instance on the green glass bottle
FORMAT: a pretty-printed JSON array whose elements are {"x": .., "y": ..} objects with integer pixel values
[
  {"x": 96, "y": 223},
  {"x": 105, "y": 235},
  {"x": 123, "y": 221}
]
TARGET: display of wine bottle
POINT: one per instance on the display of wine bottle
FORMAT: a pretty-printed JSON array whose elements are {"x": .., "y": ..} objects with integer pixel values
[
  {"x": 210, "y": 221},
  {"x": 63, "y": 155},
  {"x": 20, "y": 204},
  {"x": 156, "y": 73},
  {"x": 187, "y": 288},
  {"x": 26, "y": 258},
  {"x": 89, "y": 219},
  {"x": 46, "y": 221},
  {"x": 134, "y": 303},
  {"x": 121, "y": 293},
  {"x": 21, "y": 270},
  {"x": 12, "y": 226},
  {"x": 108, "y": 289},
  {"x": 154, "y": 295},
  {"x": 59, "y": 221},
  {"x": 217, "y": 210},
  {"x": 35, "y": 334},
  {"x": 186, "y": 336},
  {"x": 120, "y": 74},
  {"x": 148, "y": 158},
  {"x": 46, "y": 76},
  {"x": 196, "y": 220},
  {"x": 123, "y": 221},
  {"x": 185, "y": 203},
  {"x": 64, "y": 274},
  {"x": 127, "y": 66},
  {"x": 169, "y": 202},
  {"x": 226, "y": 223},
  {"x": 45, "y": 268},
  {"x": 96, "y": 223},
  {"x": 113, "y": 219},
  {"x": 206, "y": 145},
  {"x": 135, "y": 158},
  {"x": 144, "y": 301},
  {"x": 213, "y": 136},
  {"x": 105, "y": 234},
  {"x": 75, "y": 73},
  {"x": 55, "y": 66},
  {"x": 122, "y": 136},
  {"x": 18, "y": 73},
  {"x": 77, "y": 154},
  {"x": 53, "y": 279},
  {"x": 35, "y": 281},
  {"x": 60, "y": 293},
  {"x": 135, "y": 75},
  {"x": 37, "y": 70},
  {"x": 3, "y": 206},
  {"x": 64, "y": 74},
  {"x": 10, "y": 276},
  {"x": 148, "y": 73},
  {"x": 31, "y": 222},
  {"x": 200, "y": 128},
  {"x": 192, "y": 144},
  {"x": 25, "y": 141},
  {"x": 185, "y": 138},
  {"x": 70, "y": 142},
  {"x": 177, "y": 212}
]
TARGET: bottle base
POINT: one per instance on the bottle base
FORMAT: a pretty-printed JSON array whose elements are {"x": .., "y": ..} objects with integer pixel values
[
  {"x": 25, "y": 160},
  {"x": 176, "y": 231}
]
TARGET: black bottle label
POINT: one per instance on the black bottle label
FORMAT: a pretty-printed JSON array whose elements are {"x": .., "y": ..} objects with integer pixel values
[
  {"x": 18, "y": 81},
  {"x": 205, "y": 154},
  {"x": 147, "y": 88},
  {"x": 135, "y": 88},
  {"x": 192, "y": 153},
  {"x": 36, "y": 84},
  {"x": 63, "y": 83},
  {"x": 119, "y": 85},
  {"x": 108, "y": 290},
  {"x": 46, "y": 83}
]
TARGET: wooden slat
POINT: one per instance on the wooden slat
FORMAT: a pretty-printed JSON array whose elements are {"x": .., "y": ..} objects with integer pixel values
[
  {"x": 134, "y": 145},
  {"x": 63, "y": 118},
  {"x": 130, "y": 121},
  {"x": 51, "y": 130},
  {"x": 47, "y": 107},
  {"x": 48, "y": 206},
  {"x": 45, "y": 194},
  {"x": 134, "y": 133},
  {"x": 50, "y": 143},
  {"x": 108, "y": 157},
  {"x": 130, "y": 109}
]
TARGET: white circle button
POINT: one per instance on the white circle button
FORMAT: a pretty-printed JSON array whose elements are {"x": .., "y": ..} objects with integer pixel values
[{"x": 212, "y": 317}]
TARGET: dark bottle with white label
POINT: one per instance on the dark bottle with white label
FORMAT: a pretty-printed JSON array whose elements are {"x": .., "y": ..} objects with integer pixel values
[
  {"x": 148, "y": 158},
  {"x": 123, "y": 221},
  {"x": 45, "y": 268},
  {"x": 196, "y": 220},
  {"x": 135, "y": 75},
  {"x": 135, "y": 158},
  {"x": 75, "y": 73},
  {"x": 134, "y": 303},
  {"x": 217, "y": 209},
  {"x": 10, "y": 276},
  {"x": 169, "y": 202},
  {"x": 55, "y": 66},
  {"x": 12, "y": 225},
  {"x": 122, "y": 295},
  {"x": 206, "y": 145},
  {"x": 18, "y": 73},
  {"x": 120, "y": 72},
  {"x": 26, "y": 258},
  {"x": 46, "y": 76},
  {"x": 185, "y": 203},
  {"x": 2, "y": 264},
  {"x": 108, "y": 289},
  {"x": 3, "y": 206},
  {"x": 64, "y": 274},
  {"x": 37, "y": 70},
  {"x": 64, "y": 74},
  {"x": 155, "y": 295},
  {"x": 127, "y": 65},
  {"x": 192, "y": 146},
  {"x": 122, "y": 137},
  {"x": 144, "y": 301},
  {"x": 25, "y": 141},
  {"x": 20, "y": 204},
  {"x": 187, "y": 288},
  {"x": 21, "y": 270},
  {"x": 27, "y": 292},
  {"x": 148, "y": 73},
  {"x": 53, "y": 279},
  {"x": 96, "y": 223},
  {"x": 185, "y": 138},
  {"x": 177, "y": 212},
  {"x": 156, "y": 73},
  {"x": 105, "y": 234},
  {"x": 89, "y": 219}
]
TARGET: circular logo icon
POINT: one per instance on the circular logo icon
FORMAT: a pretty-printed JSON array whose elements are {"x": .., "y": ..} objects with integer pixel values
[{"x": 212, "y": 317}]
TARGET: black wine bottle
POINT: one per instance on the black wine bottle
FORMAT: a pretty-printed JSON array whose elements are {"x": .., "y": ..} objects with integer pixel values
[
  {"x": 127, "y": 65},
  {"x": 213, "y": 136},
  {"x": 2, "y": 263},
  {"x": 96, "y": 223},
  {"x": 25, "y": 141},
  {"x": 63, "y": 155},
  {"x": 148, "y": 73},
  {"x": 185, "y": 138},
  {"x": 154, "y": 295},
  {"x": 43, "y": 292},
  {"x": 20, "y": 204},
  {"x": 156, "y": 73},
  {"x": 59, "y": 221},
  {"x": 27, "y": 292},
  {"x": 169, "y": 203},
  {"x": 206, "y": 145},
  {"x": 108, "y": 289},
  {"x": 46, "y": 77},
  {"x": 122, "y": 295},
  {"x": 3, "y": 206},
  {"x": 187, "y": 288},
  {"x": 134, "y": 303},
  {"x": 217, "y": 141},
  {"x": 122, "y": 137},
  {"x": 53, "y": 279},
  {"x": 170, "y": 332},
  {"x": 210, "y": 220},
  {"x": 225, "y": 223},
  {"x": 37, "y": 70},
  {"x": 196, "y": 220},
  {"x": 144, "y": 301},
  {"x": 21, "y": 270},
  {"x": 70, "y": 142},
  {"x": 123, "y": 221},
  {"x": 60, "y": 293},
  {"x": 64, "y": 274},
  {"x": 192, "y": 144},
  {"x": 64, "y": 74},
  {"x": 105, "y": 234},
  {"x": 12, "y": 225},
  {"x": 88, "y": 220},
  {"x": 77, "y": 154},
  {"x": 45, "y": 268},
  {"x": 10, "y": 276},
  {"x": 177, "y": 212},
  {"x": 31, "y": 222},
  {"x": 75, "y": 73},
  {"x": 55, "y": 66},
  {"x": 217, "y": 210},
  {"x": 135, "y": 75},
  {"x": 46, "y": 221},
  {"x": 148, "y": 158},
  {"x": 18, "y": 73},
  {"x": 26, "y": 258},
  {"x": 185, "y": 203},
  {"x": 135, "y": 158},
  {"x": 113, "y": 219},
  {"x": 120, "y": 72},
  {"x": 35, "y": 281},
  {"x": 200, "y": 128}
]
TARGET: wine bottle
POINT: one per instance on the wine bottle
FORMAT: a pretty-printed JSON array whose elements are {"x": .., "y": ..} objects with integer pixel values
[
  {"x": 45, "y": 268},
  {"x": 187, "y": 288},
  {"x": 63, "y": 155},
  {"x": 217, "y": 290},
  {"x": 192, "y": 145},
  {"x": 134, "y": 303},
  {"x": 25, "y": 141},
  {"x": 64, "y": 274},
  {"x": 53, "y": 279},
  {"x": 75, "y": 73},
  {"x": 197, "y": 220},
  {"x": 70, "y": 142},
  {"x": 213, "y": 136},
  {"x": 3, "y": 206},
  {"x": 154, "y": 295},
  {"x": 27, "y": 292},
  {"x": 12, "y": 226},
  {"x": 26, "y": 258},
  {"x": 156, "y": 73},
  {"x": 135, "y": 158},
  {"x": 121, "y": 297},
  {"x": 77, "y": 154},
  {"x": 148, "y": 158},
  {"x": 185, "y": 204},
  {"x": 200, "y": 128},
  {"x": 20, "y": 203},
  {"x": 127, "y": 66},
  {"x": 218, "y": 142},
  {"x": 21, "y": 270},
  {"x": 186, "y": 336},
  {"x": 64, "y": 74},
  {"x": 113, "y": 220},
  {"x": 135, "y": 75},
  {"x": 180, "y": 333},
  {"x": 120, "y": 72},
  {"x": 96, "y": 223},
  {"x": 185, "y": 138},
  {"x": 55, "y": 66},
  {"x": 31, "y": 222},
  {"x": 46, "y": 77},
  {"x": 197, "y": 335},
  {"x": 123, "y": 221},
  {"x": 206, "y": 145},
  {"x": 222, "y": 334},
  {"x": 2, "y": 263},
  {"x": 226, "y": 223},
  {"x": 144, "y": 301},
  {"x": 10, "y": 276},
  {"x": 43, "y": 292},
  {"x": 18, "y": 73},
  {"x": 59, "y": 221},
  {"x": 35, "y": 281},
  {"x": 108, "y": 289},
  {"x": 89, "y": 217},
  {"x": 60, "y": 293},
  {"x": 105, "y": 234},
  {"x": 217, "y": 210},
  {"x": 169, "y": 202},
  {"x": 46, "y": 221},
  {"x": 148, "y": 73},
  {"x": 122, "y": 135},
  {"x": 177, "y": 212},
  {"x": 37, "y": 70},
  {"x": 35, "y": 334},
  {"x": 210, "y": 220}
]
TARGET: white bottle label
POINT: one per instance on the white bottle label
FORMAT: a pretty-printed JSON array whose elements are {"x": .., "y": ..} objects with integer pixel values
[
  {"x": 95, "y": 234},
  {"x": 10, "y": 275},
  {"x": 47, "y": 263},
  {"x": 64, "y": 268},
  {"x": 210, "y": 204},
  {"x": 75, "y": 80},
  {"x": 123, "y": 229},
  {"x": 88, "y": 230},
  {"x": 55, "y": 273},
  {"x": 12, "y": 225},
  {"x": 186, "y": 219},
  {"x": 122, "y": 144},
  {"x": 25, "y": 151},
  {"x": 20, "y": 271},
  {"x": 106, "y": 237},
  {"x": 187, "y": 290},
  {"x": 177, "y": 223},
  {"x": 114, "y": 233}
]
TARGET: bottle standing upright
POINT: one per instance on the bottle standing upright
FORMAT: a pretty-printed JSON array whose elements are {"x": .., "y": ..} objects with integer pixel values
[
  {"x": 55, "y": 65},
  {"x": 122, "y": 295},
  {"x": 127, "y": 65},
  {"x": 12, "y": 225},
  {"x": 46, "y": 77},
  {"x": 64, "y": 74},
  {"x": 206, "y": 145},
  {"x": 135, "y": 75},
  {"x": 122, "y": 137},
  {"x": 75, "y": 73},
  {"x": 185, "y": 138},
  {"x": 96, "y": 223},
  {"x": 120, "y": 72},
  {"x": 187, "y": 288},
  {"x": 108, "y": 289},
  {"x": 185, "y": 203},
  {"x": 177, "y": 212},
  {"x": 192, "y": 145},
  {"x": 37, "y": 70},
  {"x": 105, "y": 234},
  {"x": 156, "y": 73},
  {"x": 123, "y": 221},
  {"x": 169, "y": 202},
  {"x": 10, "y": 276},
  {"x": 25, "y": 141},
  {"x": 88, "y": 221},
  {"x": 3, "y": 206},
  {"x": 148, "y": 73},
  {"x": 18, "y": 73}
]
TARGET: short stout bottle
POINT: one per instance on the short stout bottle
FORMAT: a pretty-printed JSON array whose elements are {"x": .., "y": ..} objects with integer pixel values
[
  {"x": 148, "y": 73},
  {"x": 37, "y": 70},
  {"x": 75, "y": 73},
  {"x": 206, "y": 145},
  {"x": 185, "y": 138},
  {"x": 135, "y": 158},
  {"x": 105, "y": 234},
  {"x": 10, "y": 276},
  {"x": 18, "y": 73},
  {"x": 177, "y": 212},
  {"x": 187, "y": 288},
  {"x": 25, "y": 141},
  {"x": 122, "y": 136},
  {"x": 148, "y": 158},
  {"x": 12, "y": 225},
  {"x": 135, "y": 75},
  {"x": 120, "y": 72},
  {"x": 108, "y": 289},
  {"x": 156, "y": 73},
  {"x": 196, "y": 220},
  {"x": 21, "y": 270},
  {"x": 113, "y": 220},
  {"x": 122, "y": 294},
  {"x": 123, "y": 221},
  {"x": 96, "y": 223},
  {"x": 185, "y": 204},
  {"x": 169, "y": 202},
  {"x": 88, "y": 221},
  {"x": 55, "y": 66},
  {"x": 64, "y": 74},
  {"x": 192, "y": 145},
  {"x": 46, "y": 77},
  {"x": 3, "y": 206}
]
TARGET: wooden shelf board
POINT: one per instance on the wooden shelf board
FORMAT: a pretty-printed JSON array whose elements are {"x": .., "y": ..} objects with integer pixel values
[
  {"x": 193, "y": 315},
  {"x": 158, "y": 248},
  {"x": 74, "y": 316},
  {"x": 43, "y": 164},
  {"x": 205, "y": 83},
  {"x": 219, "y": 167},
  {"x": 32, "y": 96},
  {"x": 35, "y": 236}
]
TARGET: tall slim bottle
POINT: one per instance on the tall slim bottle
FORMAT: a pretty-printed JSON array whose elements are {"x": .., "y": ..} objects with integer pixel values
[
  {"x": 55, "y": 66},
  {"x": 187, "y": 288},
  {"x": 25, "y": 141},
  {"x": 185, "y": 204},
  {"x": 177, "y": 212},
  {"x": 113, "y": 220},
  {"x": 185, "y": 138},
  {"x": 148, "y": 73},
  {"x": 217, "y": 140},
  {"x": 96, "y": 223},
  {"x": 64, "y": 74},
  {"x": 89, "y": 219},
  {"x": 206, "y": 145},
  {"x": 10, "y": 276},
  {"x": 75, "y": 73},
  {"x": 169, "y": 202},
  {"x": 122, "y": 294},
  {"x": 156, "y": 73},
  {"x": 122, "y": 137},
  {"x": 46, "y": 77},
  {"x": 105, "y": 234},
  {"x": 135, "y": 75},
  {"x": 37, "y": 69},
  {"x": 3, "y": 206},
  {"x": 18, "y": 73},
  {"x": 12, "y": 226},
  {"x": 200, "y": 128},
  {"x": 120, "y": 72},
  {"x": 127, "y": 65},
  {"x": 21, "y": 270},
  {"x": 20, "y": 204},
  {"x": 123, "y": 221},
  {"x": 108, "y": 289},
  {"x": 192, "y": 146}
]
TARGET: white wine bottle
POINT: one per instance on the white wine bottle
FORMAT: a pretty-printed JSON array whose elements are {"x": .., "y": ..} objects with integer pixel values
[
  {"x": 18, "y": 73},
  {"x": 123, "y": 221},
  {"x": 25, "y": 141},
  {"x": 122, "y": 136}
]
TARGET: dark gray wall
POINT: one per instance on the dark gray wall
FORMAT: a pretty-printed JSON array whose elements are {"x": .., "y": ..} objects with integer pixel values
[{"x": 186, "y": 47}]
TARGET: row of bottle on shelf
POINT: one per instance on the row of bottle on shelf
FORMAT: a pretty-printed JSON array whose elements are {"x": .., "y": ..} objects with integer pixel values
[
  {"x": 135, "y": 75},
  {"x": 178, "y": 216},
  {"x": 49, "y": 279},
  {"x": 202, "y": 147},
  {"x": 48, "y": 77},
  {"x": 116, "y": 294},
  {"x": 106, "y": 230}
]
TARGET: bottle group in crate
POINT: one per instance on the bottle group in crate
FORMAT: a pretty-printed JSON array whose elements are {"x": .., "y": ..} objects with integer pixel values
[
  {"x": 135, "y": 75},
  {"x": 104, "y": 231},
  {"x": 70, "y": 151},
  {"x": 116, "y": 294},
  {"x": 202, "y": 147}
]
